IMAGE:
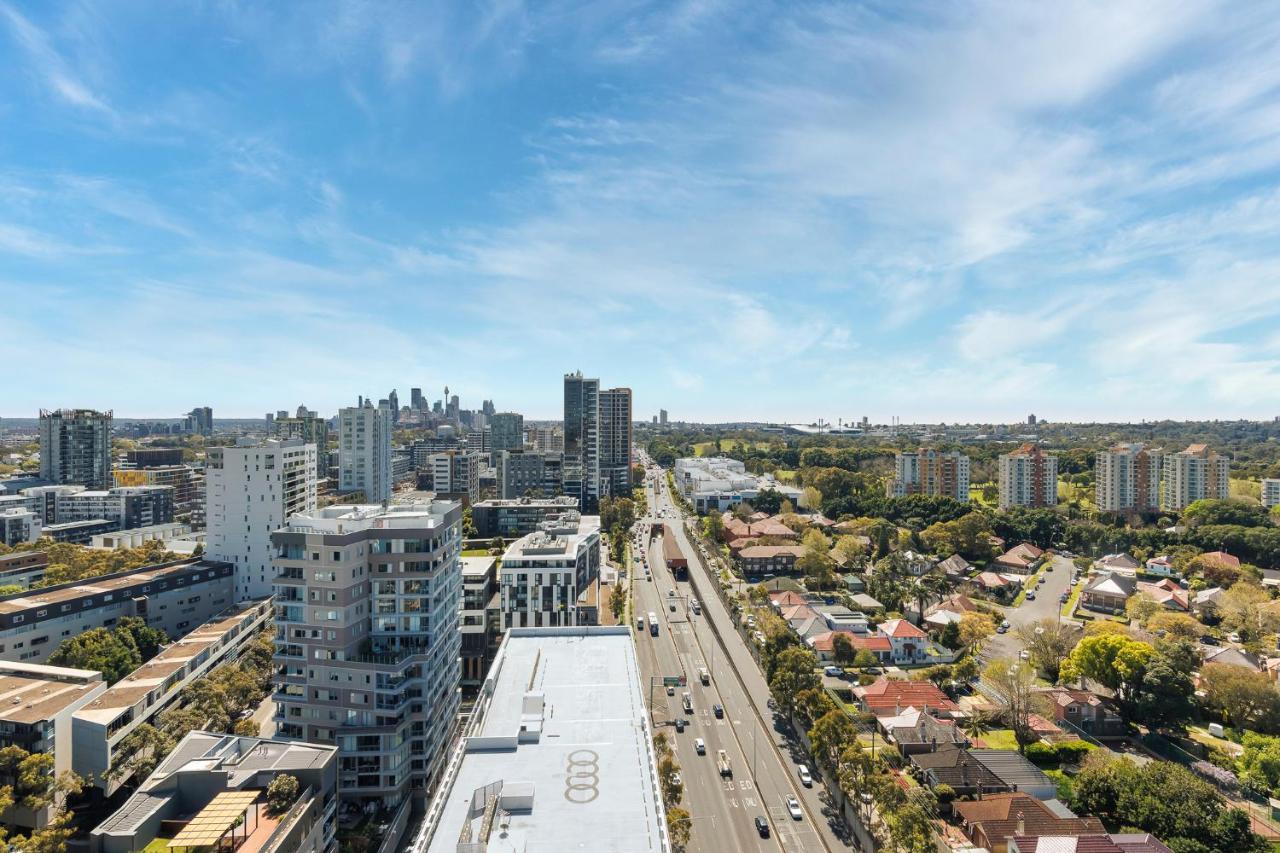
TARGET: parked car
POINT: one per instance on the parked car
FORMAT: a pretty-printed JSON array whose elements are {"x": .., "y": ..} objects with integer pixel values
[
  {"x": 833, "y": 671},
  {"x": 762, "y": 826},
  {"x": 1064, "y": 597},
  {"x": 1004, "y": 624},
  {"x": 806, "y": 778},
  {"x": 1003, "y": 629},
  {"x": 793, "y": 806},
  {"x": 1031, "y": 596}
]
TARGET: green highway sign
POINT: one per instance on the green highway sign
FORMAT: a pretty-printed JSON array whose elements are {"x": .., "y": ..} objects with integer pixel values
[{"x": 674, "y": 681}]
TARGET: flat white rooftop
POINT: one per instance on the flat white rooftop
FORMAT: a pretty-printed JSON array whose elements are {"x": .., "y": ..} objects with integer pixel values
[{"x": 562, "y": 758}]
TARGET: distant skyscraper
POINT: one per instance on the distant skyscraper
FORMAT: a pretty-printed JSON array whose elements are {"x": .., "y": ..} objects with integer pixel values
[
  {"x": 393, "y": 401},
  {"x": 312, "y": 429},
  {"x": 455, "y": 407},
  {"x": 615, "y": 442},
  {"x": 506, "y": 432},
  {"x": 416, "y": 402},
  {"x": 199, "y": 421},
  {"x": 582, "y": 440},
  {"x": 930, "y": 472},
  {"x": 250, "y": 490},
  {"x": 662, "y": 417},
  {"x": 271, "y": 419},
  {"x": 1194, "y": 474},
  {"x": 488, "y": 408},
  {"x": 1031, "y": 420},
  {"x": 75, "y": 447},
  {"x": 364, "y": 451}
]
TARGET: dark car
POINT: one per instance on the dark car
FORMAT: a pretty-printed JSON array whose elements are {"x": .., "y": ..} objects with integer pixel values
[
  {"x": 762, "y": 826},
  {"x": 680, "y": 724},
  {"x": 719, "y": 712}
]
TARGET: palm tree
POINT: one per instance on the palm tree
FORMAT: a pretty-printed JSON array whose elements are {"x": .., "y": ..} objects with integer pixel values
[
  {"x": 930, "y": 587},
  {"x": 976, "y": 726}
]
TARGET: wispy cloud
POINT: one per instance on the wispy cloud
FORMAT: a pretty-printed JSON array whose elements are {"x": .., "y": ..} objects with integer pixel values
[{"x": 47, "y": 64}]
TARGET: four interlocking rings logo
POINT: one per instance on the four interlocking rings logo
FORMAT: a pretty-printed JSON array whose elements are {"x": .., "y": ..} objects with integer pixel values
[{"x": 582, "y": 776}]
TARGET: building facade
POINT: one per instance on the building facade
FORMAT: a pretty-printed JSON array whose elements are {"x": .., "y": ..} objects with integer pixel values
[
  {"x": 545, "y": 573},
  {"x": 312, "y": 430},
  {"x": 1270, "y": 492},
  {"x": 480, "y": 618},
  {"x": 456, "y": 474},
  {"x": 75, "y": 447},
  {"x": 19, "y": 525},
  {"x": 252, "y": 488},
  {"x": 364, "y": 451},
  {"x": 1028, "y": 477},
  {"x": 506, "y": 432},
  {"x": 181, "y": 478},
  {"x": 174, "y": 597},
  {"x": 511, "y": 518},
  {"x": 615, "y": 442},
  {"x": 582, "y": 440},
  {"x": 927, "y": 471},
  {"x": 519, "y": 472},
  {"x": 367, "y": 641},
  {"x": 1128, "y": 478},
  {"x": 1194, "y": 474}
]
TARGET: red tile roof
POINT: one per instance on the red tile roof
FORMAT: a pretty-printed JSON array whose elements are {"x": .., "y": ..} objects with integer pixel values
[
  {"x": 787, "y": 599},
  {"x": 901, "y": 629},
  {"x": 889, "y": 694},
  {"x": 1222, "y": 557}
]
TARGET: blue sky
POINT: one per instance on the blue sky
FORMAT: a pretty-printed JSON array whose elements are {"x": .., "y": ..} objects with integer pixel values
[{"x": 943, "y": 211}]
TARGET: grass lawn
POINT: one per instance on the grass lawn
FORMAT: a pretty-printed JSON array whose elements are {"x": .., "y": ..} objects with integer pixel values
[
  {"x": 159, "y": 845},
  {"x": 1200, "y": 734},
  {"x": 1075, "y": 596},
  {"x": 476, "y": 552},
  {"x": 1000, "y": 739},
  {"x": 785, "y": 476}
]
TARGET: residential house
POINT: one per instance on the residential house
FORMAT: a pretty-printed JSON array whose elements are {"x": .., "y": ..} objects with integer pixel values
[
  {"x": 1207, "y": 601},
  {"x": 951, "y": 764},
  {"x": 939, "y": 619},
  {"x": 854, "y": 583},
  {"x": 914, "y": 731},
  {"x": 1017, "y": 772},
  {"x": 1162, "y": 566},
  {"x": 1108, "y": 593},
  {"x": 780, "y": 600},
  {"x": 1020, "y": 559},
  {"x": 823, "y": 645},
  {"x": 1231, "y": 656},
  {"x": 888, "y": 696},
  {"x": 1167, "y": 594},
  {"x": 955, "y": 567},
  {"x": 909, "y": 642},
  {"x": 1117, "y": 564},
  {"x": 1138, "y": 842},
  {"x": 991, "y": 821},
  {"x": 1271, "y": 577},
  {"x": 958, "y": 603},
  {"x": 840, "y": 618},
  {"x": 1084, "y": 710},
  {"x": 918, "y": 564},
  {"x": 867, "y": 603},
  {"x": 769, "y": 559},
  {"x": 1222, "y": 558}
]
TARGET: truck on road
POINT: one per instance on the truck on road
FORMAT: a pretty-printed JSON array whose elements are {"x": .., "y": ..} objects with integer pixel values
[{"x": 722, "y": 762}]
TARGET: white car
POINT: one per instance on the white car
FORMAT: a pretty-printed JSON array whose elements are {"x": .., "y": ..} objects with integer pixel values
[
  {"x": 1024, "y": 654},
  {"x": 806, "y": 778},
  {"x": 700, "y": 746},
  {"x": 793, "y": 807}
]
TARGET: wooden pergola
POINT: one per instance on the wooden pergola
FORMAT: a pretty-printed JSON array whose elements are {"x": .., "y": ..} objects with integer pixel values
[{"x": 214, "y": 828}]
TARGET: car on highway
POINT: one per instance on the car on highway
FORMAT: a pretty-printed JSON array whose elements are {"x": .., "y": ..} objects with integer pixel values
[
  {"x": 718, "y": 710},
  {"x": 700, "y": 746},
  {"x": 681, "y": 722},
  {"x": 806, "y": 778},
  {"x": 671, "y": 593},
  {"x": 639, "y": 623},
  {"x": 687, "y": 701},
  {"x": 671, "y": 691},
  {"x": 704, "y": 676},
  {"x": 1063, "y": 598},
  {"x": 793, "y": 807},
  {"x": 762, "y": 826}
]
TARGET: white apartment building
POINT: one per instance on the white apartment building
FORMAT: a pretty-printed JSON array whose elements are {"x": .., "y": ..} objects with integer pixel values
[
  {"x": 1270, "y": 492},
  {"x": 456, "y": 473},
  {"x": 545, "y": 573},
  {"x": 1128, "y": 478},
  {"x": 367, "y": 642},
  {"x": 251, "y": 489},
  {"x": 714, "y": 483},
  {"x": 19, "y": 525},
  {"x": 364, "y": 451},
  {"x": 1194, "y": 474},
  {"x": 927, "y": 471},
  {"x": 1028, "y": 477}
]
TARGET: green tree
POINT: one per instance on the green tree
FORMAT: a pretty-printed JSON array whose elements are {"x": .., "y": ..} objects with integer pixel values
[
  {"x": 865, "y": 658},
  {"x": 842, "y": 649},
  {"x": 974, "y": 628},
  {"x": 811, "y": 705},
  {"x": 1015, "y": 682},
  {"x": 1115, "y": 661},
  {"x": 815, "y": 561},
  {"x": 670, "y": 782},
  {"x": 1140, "y": 607},
  {"x": 793, "y": 672},
  {"x": 139, "y": 753},
  {"x": 911, "y": 824},
  {"x": 830, "y": 736},
  {"x": 679, "y": 827},
  {"x": 114, "y": 654},
  {"x": 618, "y": 601},
  {"x": 1048, "y": 641},
  {"x": 1244, "y": 698},
  {"x": 282, "y": 793}
]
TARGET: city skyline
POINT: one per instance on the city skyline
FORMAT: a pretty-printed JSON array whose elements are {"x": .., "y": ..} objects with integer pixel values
[{"x": 937, "y": 214}]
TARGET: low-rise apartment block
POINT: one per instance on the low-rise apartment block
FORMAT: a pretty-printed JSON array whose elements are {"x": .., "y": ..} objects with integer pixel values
[
  {"x": 717, "y": 483},
  {"x": 1194, "y": 474},
  {"x": 480, "y": 618},
  {"x": 212, "y": 790},
  {"x": 555, "y": 701},
  {"x": 927, "y": 471},
  {"x": 101, "y": 725},
  {"x": 23, "y": 568},
  {"x": 1270, "y": 492},
  {"x": 1028, "y": 477},
  {"x": 19, "y": 526},
  {"x": 174, "y": 597},
  {"x": 514, "y": 517},
  {"x": 455, "y": 474},
  {"x": 519, "y": 472},
  {"x": 545, "y": 573},
  {"x": 367, "y": 641},
  {"x": 36, "y": 715}
]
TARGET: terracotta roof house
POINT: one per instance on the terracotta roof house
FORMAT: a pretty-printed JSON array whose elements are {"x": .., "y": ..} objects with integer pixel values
[
  {"x": 1117, "y": 843},
  {"x": 958, "y": 603},
  {"x": 1084, "y": 710},
  {"x": 1167, "y": 594},
  {"x": 909, "y": 642},
  {"x": 736, "y": 545},
  {"x": 955, "y": 566},
  {"x": 951, "y": 764},
  {"x": 769, "y": 559},
  {"x": 1162, "y": 565},
  {"x": 992, "y": 581},
  {"x": 889, "y": 696},
  {"x": 786, "y": 599},
  {"x": 1019, "y": 559},
  {"x": 1108, "y": 593},
  {"x": 1122, "y": 563},
  {"x": 1222, "y": 557},
  {"x": 993, "y": 820}
]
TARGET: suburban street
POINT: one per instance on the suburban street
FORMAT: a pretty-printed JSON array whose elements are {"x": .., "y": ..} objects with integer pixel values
[
  {"x": 1045, "y": 606},
  {"x": 723, "y": 811}
]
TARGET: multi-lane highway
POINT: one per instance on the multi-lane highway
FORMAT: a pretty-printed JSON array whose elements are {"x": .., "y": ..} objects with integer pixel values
[{"x": 723, "y": 810}]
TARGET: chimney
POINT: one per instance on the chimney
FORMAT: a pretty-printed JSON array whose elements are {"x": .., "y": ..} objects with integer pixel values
[{"x": 1022, "y": 824}]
